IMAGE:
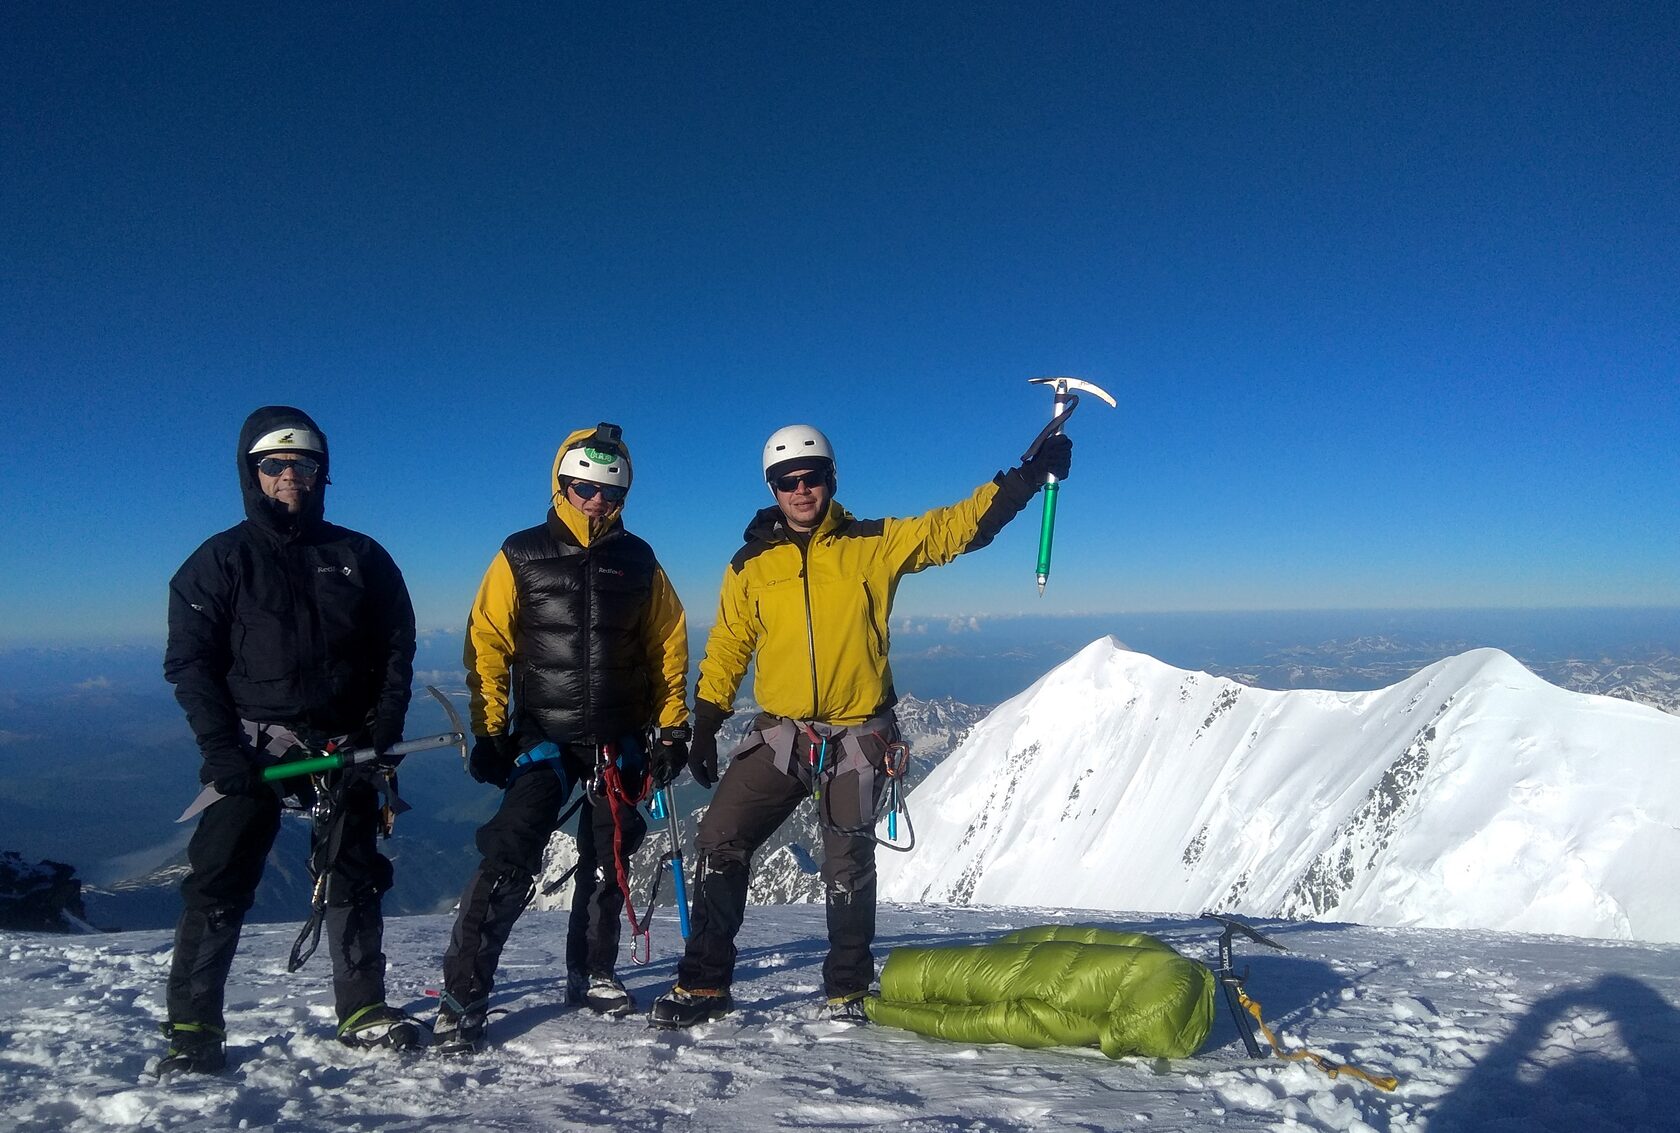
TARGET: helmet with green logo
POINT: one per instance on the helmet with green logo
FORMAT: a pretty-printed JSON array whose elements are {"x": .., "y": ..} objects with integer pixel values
[{"x": 598, "y": 458}]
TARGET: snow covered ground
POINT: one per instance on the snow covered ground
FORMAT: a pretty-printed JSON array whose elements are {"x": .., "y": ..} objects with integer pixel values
[{"x": 1486, "y": 1030}]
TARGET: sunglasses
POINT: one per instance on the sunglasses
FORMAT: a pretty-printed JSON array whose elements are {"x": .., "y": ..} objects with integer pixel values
[
  {"x": 302, "y": 465},
  {"x": 792, "y": 483},
  {"x": 586, "y": 491}
]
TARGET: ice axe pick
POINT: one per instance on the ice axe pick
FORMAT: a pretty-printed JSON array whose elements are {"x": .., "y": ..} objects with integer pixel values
[{"x": 1066, "y": 401}]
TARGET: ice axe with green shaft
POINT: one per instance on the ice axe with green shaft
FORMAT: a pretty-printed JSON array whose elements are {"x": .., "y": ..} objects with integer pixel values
[
  {"x": 334, "y": 760},
  {"x": 1066, "y": 402}
]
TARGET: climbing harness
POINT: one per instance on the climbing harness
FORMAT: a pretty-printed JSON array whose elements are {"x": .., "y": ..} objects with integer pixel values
[
  {"x": 326, "y": 837},
  {"x": 890, "y": 803}
]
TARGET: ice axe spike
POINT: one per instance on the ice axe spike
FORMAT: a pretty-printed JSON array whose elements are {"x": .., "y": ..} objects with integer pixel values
[{"x": 1066, "y": 401}]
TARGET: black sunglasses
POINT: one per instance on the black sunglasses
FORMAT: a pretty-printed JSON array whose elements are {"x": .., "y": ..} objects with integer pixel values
[
  {"x": 276, "y": 465},
  {"x": 586, "y": 491},
  {"x": 792, "y": 482}
]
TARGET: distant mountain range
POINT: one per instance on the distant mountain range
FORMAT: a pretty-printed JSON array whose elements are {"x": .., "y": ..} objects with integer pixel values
[
  {"x": 98, "y": 761},
  {"x": 1649, "y": 675},
  {"x": 1471, "y": 794}
]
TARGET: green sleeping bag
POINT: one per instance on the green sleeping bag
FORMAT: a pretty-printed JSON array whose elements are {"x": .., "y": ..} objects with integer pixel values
[{"x": 1058, "y": 985}]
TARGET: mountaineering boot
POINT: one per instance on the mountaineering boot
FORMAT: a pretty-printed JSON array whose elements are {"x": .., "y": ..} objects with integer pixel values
[
  {"x": 848, "y": 1008},
  {"x": 194, "y": 1048},
  {"x": 457, "y": 1030},
  {"x": 380, "y": 1026},
  {"x": 681, "y": 1007},
  {"x": 606, "y": 996}
]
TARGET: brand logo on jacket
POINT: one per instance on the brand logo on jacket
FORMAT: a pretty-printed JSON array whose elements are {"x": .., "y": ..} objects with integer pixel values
[
  {"x": 344, "y": 570},
  {"x": 614, "y": 571}
]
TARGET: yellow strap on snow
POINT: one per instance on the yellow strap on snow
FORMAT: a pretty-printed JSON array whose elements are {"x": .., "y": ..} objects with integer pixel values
[{"x": 1334, "y": 1069}]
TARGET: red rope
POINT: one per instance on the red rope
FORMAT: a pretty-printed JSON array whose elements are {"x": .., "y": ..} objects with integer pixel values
[{"x": 613, "y": 783}]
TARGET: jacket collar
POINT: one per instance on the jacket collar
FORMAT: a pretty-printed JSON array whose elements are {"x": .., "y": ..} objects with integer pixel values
[
  {"x": 572, "y": 526},
  {"x": 768, "y": 525}
]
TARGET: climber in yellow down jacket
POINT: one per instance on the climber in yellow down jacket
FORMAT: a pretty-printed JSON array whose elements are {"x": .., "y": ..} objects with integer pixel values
[{"x": 576, "y": 650}]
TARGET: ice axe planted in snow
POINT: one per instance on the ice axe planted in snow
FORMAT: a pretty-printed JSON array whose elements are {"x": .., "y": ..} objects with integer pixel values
[
  {"x": 1066, "y": 402},
  {"x": 1231, "y": 983}
]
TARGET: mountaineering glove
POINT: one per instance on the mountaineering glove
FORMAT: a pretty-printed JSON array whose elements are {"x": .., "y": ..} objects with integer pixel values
[
  {"x": 492, "y": 759},
  {"x": 233, "y": 773},
  {"x": 382, "y": 737},
  {"x": 702, "y": 750},
  {"x": 1053, "y": 458},
  {"x": 668, "y": 756},
  {"x": 384, "y": 734}
]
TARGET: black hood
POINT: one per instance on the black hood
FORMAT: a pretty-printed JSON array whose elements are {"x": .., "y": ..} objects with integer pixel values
[{"x": 258, "y": 507}]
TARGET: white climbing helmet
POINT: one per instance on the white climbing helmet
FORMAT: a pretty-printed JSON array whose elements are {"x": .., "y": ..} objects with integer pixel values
[
  {"x": 796, "y": 446},
  {"x": 598, "y": 458},
  {"x": 293, "y": 438}
]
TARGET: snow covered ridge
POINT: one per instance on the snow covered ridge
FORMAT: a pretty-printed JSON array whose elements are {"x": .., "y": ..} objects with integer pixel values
[{"x": 1470, "y": 795}]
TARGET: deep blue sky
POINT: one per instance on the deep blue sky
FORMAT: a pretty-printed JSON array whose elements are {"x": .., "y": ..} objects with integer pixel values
[{"x": 1389, "y": 294}]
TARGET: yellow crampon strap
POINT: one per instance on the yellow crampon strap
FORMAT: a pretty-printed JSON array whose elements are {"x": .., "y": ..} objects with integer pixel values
[{"x": 1334, "y": 1069}]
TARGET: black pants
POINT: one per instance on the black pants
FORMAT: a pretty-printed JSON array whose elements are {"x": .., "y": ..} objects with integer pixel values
[
  {"x": 751, "y": 802},
  {"x": 512, "y": 843},
  {"x": 226, "y": 857}
]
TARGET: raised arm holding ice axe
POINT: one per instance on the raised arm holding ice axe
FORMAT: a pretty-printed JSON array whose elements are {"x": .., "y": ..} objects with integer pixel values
[{"x": 1066, "y": 402}]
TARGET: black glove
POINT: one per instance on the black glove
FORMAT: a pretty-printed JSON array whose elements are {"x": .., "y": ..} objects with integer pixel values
[
  {"x": 492, "y": 759},
  {"x": 1053, "y": 458},
  {"x": 233, "y": 772},
  {"x": 702, "y": 750},
  {"x": 383, "y": 735},
  {"x": 668, "y": 756}
]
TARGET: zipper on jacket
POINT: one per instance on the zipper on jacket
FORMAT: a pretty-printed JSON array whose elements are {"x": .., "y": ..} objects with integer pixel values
[
  {"x": 810, "y": 630},
  {"x": 588, "y": 636},
  {"x": 874, "y": 631},
  {"x": 307, "y": 652}
]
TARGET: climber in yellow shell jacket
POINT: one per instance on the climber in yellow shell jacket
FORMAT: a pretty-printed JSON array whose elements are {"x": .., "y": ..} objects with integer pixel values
[
  {"x": 577, "y": 649},
  {"x": 809, "y": 597}
]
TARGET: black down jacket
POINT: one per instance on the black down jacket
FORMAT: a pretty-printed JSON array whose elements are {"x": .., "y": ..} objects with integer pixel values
[
  {"x": 288, "y": 619},
  {"x": 582, "y": 661}
]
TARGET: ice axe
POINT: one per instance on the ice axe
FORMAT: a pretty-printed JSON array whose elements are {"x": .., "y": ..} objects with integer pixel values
[
  {"x": 333, "y": 760},
  {"x": 1066, "y": 402},
  {"x": 1232, "y": 983},
  {"x": 663, "y": 807}
]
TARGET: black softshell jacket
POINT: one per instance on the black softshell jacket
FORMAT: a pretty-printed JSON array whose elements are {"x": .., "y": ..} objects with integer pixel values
[{"x": 288, "y": 619}]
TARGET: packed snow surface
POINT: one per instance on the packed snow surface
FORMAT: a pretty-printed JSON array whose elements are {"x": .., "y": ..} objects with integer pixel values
[
  {"x": 1470, "y": 795},
  {"x": 1485, "y": 1031}
]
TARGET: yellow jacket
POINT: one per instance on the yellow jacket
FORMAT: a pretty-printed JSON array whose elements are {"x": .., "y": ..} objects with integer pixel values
[
  {"x": 816, "y": 615},
  {"x": 604, "y": 651}
]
